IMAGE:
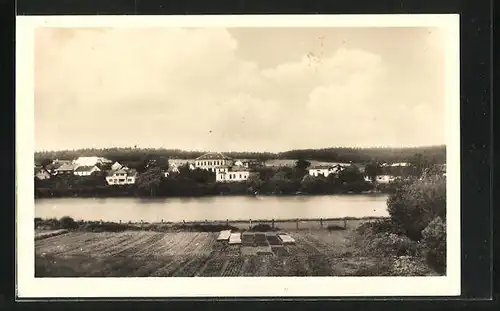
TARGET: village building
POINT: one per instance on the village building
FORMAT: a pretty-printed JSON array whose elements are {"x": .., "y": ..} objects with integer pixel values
[
  {"x": 85, "y": 170},
  {"x": 116, "y": 166},
  {"x": 180, "y": 162},
  {"x": 91, "y": 161},
  {"x": 66, "y": 169},
  {"x": 384, "y": 179},
  {"x": 122, "y": 177},
  {"x": 172, "y": 169},
  {"x": 325, "y": 170},
  {"x": 41, "y": 173},
  {"x": 212, "y": 160},
  {"x": 401, "y": 164},
  {"x": 232, "y": 174}
]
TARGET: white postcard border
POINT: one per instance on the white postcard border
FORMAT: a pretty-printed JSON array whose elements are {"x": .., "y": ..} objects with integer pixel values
[{"x": 30, "y": 287}]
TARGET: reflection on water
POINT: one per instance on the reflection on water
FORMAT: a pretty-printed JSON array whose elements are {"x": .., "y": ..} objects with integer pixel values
[{"x": 213, "y": 208}]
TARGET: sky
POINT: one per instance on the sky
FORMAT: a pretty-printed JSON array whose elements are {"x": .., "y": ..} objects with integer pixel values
[{"x": 239, "y": 89}]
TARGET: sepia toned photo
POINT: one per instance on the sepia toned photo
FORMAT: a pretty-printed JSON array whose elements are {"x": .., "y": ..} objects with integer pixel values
[{"x": 236, "y": 153}]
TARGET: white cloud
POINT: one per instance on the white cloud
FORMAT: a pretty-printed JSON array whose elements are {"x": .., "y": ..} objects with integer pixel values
[{"x": 188, "y": 89}]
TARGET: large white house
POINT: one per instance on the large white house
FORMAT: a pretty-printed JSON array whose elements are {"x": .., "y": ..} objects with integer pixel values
[
  {"x": 122, "y": 177},
  {"x": 91, "y": 161},
  {"x": 212, "y": 160},
  {"x": 85, "y": 170},
  {"x": 232, "y": 174}
]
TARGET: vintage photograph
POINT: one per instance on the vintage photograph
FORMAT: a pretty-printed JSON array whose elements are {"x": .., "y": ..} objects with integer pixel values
[{"x": 208, "y": 152}]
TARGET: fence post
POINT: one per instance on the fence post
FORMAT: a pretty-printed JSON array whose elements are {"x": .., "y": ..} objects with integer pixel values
[
  {"x": 297, "y": 223},
  {"x": 321, "y": 222},
  {"x": 273, "y": 224},
  {"x": 250, "y": 224},
  {"x": 142, "y": 224},
  {"x": 227, "y": 222}
]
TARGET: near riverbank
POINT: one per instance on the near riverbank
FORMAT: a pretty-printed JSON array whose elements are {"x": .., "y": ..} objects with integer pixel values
[{"x": 331, "y": 251}]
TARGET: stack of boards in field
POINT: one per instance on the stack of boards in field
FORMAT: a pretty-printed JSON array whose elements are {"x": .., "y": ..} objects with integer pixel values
[{"x": 257, "y": 243}]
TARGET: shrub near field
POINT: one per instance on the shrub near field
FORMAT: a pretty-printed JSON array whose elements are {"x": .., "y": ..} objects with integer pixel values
[{"x": 414, "y": 238}]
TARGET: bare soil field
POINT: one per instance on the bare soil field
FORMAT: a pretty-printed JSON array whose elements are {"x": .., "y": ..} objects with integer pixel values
[{"x": 184, "y": 254}]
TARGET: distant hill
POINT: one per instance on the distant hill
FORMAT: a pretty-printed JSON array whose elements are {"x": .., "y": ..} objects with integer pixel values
[{"x": 436, "y": 154}]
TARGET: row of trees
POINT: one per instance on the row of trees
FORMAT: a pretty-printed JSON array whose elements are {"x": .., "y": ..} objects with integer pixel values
[{"x": 136, "y": 156}]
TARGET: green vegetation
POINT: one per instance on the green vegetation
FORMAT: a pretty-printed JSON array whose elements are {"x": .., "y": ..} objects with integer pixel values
[{"x": 415, "y": 233}]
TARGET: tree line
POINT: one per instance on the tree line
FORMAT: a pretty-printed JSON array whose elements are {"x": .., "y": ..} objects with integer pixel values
[{"x": 435, "y": 154}]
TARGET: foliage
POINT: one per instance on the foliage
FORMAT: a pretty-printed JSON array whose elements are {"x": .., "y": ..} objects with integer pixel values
[
  {"x": 150, "y": 180},
  {"x": 413, "y": 206},
  {"x": 434, "y": 154},
  {"x": 434, "y": 241},
  {"x": 67, "y": 222},
  {"x": 372, "y": 170}
]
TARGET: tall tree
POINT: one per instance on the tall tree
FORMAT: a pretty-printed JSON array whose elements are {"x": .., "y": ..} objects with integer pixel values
[
  {"x": 372, "y": 170},
  {"x": 150, "y": 180},
  {"x": 419, "y": 164}
]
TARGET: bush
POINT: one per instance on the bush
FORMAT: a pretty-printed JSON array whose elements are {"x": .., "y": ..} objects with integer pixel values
[
  {"x": 380, "y": 238},
  {"x": 434, "y": 242},
  {"x": 391, "y": 244},
  {"x": 334, "y": 228},
  {"x": 67, "y": 222},
  {"x": 409, "y": 266},
  {"x": 413, "y": 206},
  {"x": 378, "y": 226}
]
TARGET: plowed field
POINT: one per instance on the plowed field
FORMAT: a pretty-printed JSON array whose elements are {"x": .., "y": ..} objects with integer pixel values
[{"x": 146, "y": 254}]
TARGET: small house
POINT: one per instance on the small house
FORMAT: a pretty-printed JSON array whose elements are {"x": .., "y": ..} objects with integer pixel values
[
  {"x": 116, "y": 166},
  {"x": 66, "y": 169},
  {"x": 85, "y": 170},
  {"x": 41, "y": 173}
]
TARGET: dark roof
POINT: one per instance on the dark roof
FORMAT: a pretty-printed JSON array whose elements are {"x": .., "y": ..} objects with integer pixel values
[
  {"x": 84, "y": 168},
  {"x": 129, "y": 172},
  {"x": 321, "y": 167},
  {"x": 213, "y": 156},
  {"x": 66, "y": 167},
  {"x": 238, "y": 169}
]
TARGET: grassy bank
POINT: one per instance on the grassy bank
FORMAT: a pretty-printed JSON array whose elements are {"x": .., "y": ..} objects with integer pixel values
[{"x": 68, "y": 223}]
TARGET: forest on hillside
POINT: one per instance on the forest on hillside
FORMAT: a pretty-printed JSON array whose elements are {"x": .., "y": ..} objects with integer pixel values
[{"x": 433, "y": 154}]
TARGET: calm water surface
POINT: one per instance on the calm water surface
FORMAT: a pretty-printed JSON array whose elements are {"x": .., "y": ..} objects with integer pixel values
[{"x": 213, "y": 208}]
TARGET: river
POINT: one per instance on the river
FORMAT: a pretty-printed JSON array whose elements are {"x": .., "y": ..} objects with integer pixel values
[{"x": 213, "y": 208}]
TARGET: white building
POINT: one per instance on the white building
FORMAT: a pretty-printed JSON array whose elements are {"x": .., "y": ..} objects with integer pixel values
[
  {"x": 212, "y": 160},
  {"x": 402, "y": 164},
  {"x": 323, "y": 170},
  {"x": 385, "y": 179},
  {"x": 41, "y": 173},
  {"x": 232, "y": 174},
  {"x": 122, "y": 177},
  {"x": 84, "y": 170},
  {"x": 91, "y": 161},
  {"x": 116, "y": 166}
]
